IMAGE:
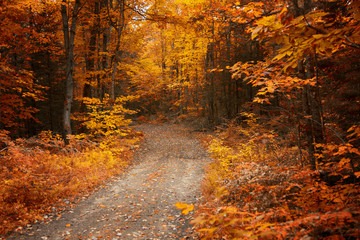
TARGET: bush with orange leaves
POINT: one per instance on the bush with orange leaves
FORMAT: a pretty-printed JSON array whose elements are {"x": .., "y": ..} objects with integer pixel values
[
  {"x": 39, "y": 173},
  {"x": 258, "y": 188}
]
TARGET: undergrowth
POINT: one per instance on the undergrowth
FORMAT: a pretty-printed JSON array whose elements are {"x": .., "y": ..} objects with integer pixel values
[
  {"x": 40, "y": 173},
  {"x": 259, "y": 187}
]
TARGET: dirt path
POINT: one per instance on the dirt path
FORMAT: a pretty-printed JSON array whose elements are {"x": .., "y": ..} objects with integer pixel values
[{"x": 140, "y": 204}]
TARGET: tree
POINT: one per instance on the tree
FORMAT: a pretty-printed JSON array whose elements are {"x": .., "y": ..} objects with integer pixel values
[
  {"x": 31, "y": 25},
  {"x": 302, "y": 38},
  {"x": 69, "y": 38}
]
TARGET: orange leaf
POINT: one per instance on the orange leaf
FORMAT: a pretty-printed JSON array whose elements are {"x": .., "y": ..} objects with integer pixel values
[{"x": 186, "y": 208}]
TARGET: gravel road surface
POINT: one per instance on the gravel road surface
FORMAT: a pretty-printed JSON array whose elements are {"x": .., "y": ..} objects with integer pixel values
[{"x": 139, "y": 204}]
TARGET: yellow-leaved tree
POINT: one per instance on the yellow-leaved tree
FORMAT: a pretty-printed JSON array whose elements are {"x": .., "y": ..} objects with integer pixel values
[{"x": 106, "y": 118}]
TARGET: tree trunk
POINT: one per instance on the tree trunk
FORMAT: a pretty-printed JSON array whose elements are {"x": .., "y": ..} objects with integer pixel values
[
  {"x": 211, "y": 84},
  {"x": 69, "y": 38},
  {"x": 227, "y": 75},
  {"x": 106, "y": 41},
  {"x": 116, "y": 58},
  {"x": 90, "y": 58},
  {"x": 312, "y": 112}
]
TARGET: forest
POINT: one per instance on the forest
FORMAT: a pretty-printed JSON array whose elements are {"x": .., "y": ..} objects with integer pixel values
[{"x": 274, "y": 83}]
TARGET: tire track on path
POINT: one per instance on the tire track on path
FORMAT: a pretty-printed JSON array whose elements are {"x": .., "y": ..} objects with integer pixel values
[{"x": 168, "y": 168}]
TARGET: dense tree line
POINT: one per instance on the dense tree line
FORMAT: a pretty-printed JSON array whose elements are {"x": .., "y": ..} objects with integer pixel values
[{"x": 293, "y": 62}]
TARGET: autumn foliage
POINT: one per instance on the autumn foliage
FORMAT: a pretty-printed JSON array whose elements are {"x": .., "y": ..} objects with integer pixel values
[
  {"x": 41, "y": 174},
  {"x": 256, "y": 188},
  {"x": 287, "y": 165},
  {"x": 278, "y": 79}
]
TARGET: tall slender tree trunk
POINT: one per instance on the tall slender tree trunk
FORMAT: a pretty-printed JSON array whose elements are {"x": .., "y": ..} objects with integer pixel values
[
  {"x": 105, "y": 43},
  {"x": 119, "y": 28},
  {"x": 311, "y": 103},
  {"x": 69, "y": 38},
  {"x": 211, "y": 84},
  {"x": 90, "y": 58},
  {"x": 312, "y": 111},
  {"x": 227, "y": 75}
]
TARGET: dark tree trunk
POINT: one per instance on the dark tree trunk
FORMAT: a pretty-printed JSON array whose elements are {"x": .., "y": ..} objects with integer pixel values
[
  {"x": 69, "y": 38},
  {"x": 312, "y": 112},
  {"x": 90, "y": 59},
  {"x": 210, "y": 79},
  {"x": 116, "y": 58}
]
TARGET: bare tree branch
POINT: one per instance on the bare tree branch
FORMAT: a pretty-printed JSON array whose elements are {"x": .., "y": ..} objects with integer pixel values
[
  {"x": 312, "y": 27},
  {"x": 353, "y": 44}
]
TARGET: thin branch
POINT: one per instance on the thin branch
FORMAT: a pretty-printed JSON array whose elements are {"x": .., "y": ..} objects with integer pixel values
[
  {"x": 314, "y": 121},
  {"x": 353, "y": 44},
  {"x": 312, "y": 27},
  {"x": 80, "y": 7},
  {"x": 4, "y": 149},
  {"x": 141, "y": 13},
  {"x": 112, "y": 23},
  {"x": 147, "y": 16}
]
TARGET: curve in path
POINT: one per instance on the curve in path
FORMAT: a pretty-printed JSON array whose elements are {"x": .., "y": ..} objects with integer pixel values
[{"x": 140, "y": 204}]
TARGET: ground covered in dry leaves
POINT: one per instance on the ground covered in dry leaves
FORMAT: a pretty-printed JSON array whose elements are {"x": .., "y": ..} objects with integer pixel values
[{"x": 167, "y": 169}]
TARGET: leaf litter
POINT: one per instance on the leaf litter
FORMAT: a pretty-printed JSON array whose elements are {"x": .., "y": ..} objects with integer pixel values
[{"x": 140, "y": 204}]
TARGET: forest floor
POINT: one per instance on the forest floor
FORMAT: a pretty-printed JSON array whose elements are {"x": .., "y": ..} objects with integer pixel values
[{"x": 139, "y": 204}]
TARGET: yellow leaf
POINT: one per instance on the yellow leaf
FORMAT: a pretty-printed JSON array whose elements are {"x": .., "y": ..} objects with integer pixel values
[
  {"x": 255, "y": 33},
  {"x": 186, "y": 208},
  {"x": 198, "y": 220},
  {"x": 209, "y": 230},
  {"x": 279, "y": 56},
  {"x": 270, "y": 89},
  {"x": 318, "y": 36}
]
